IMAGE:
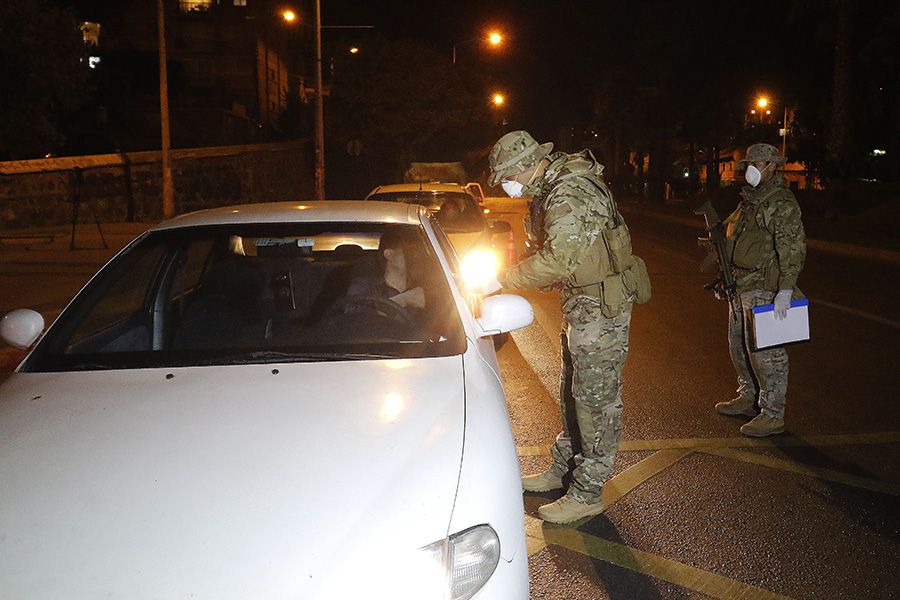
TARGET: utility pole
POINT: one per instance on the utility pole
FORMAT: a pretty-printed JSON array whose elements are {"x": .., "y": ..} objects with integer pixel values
[
  {"x": 784, "y": 132},
  {"x": 168, "y": 192},
  {"x": 320, "y": 113}
]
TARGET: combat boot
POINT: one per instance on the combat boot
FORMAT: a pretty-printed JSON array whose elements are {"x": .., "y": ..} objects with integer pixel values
[
  {"x": 543, "y": 482},
  {"x": 763, "y": 425},
  {"x": 738, "y": 406},
  {"x": 568, "y": 509}
]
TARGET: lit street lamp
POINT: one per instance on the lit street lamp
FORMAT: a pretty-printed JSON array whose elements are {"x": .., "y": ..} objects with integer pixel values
[
  {"x": 493, "y": 39},
  {"x": 498, "y": 99},
  {"x": 290, "y": 16},
  {"x": 763, "y": 103}
]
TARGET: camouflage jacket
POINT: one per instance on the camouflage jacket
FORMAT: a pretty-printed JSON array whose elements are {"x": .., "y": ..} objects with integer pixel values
[
  {"x": 575, "y": 211},
  {"x": 771, "y": 213}
]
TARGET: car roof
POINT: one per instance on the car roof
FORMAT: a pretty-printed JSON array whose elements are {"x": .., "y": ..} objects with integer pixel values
[
  {"x": 301, "y": 212},
  {"x": 419, "y": 187}
]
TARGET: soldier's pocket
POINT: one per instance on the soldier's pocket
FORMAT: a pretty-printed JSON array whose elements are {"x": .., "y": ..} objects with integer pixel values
[
  {"x": 618, "y": 246},
  {"x": 637, "y": 281},
  {"x": 614, "y": 295}
]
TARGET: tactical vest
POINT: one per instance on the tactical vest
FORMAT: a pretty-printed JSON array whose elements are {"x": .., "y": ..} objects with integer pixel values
[
  {"x": 751, "y": 245},
  {"x": 609, "y": 271}
]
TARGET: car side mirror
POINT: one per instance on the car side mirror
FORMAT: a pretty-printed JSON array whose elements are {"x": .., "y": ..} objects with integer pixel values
[
  {"x": 500, "y": 227},
  {"x": 21, "y": 328},
  {"x": 503, "y": 313}
]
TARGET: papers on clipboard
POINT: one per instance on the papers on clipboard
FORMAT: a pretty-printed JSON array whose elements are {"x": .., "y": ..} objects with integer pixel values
[{"x": 768, "y": 331}]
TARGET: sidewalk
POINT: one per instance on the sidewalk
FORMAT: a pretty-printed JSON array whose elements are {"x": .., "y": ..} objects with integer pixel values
[{"x": 51, "y": 244}]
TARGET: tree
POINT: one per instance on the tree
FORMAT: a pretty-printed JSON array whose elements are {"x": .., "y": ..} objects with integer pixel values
[
  {"x": 405, "y": 102},
  {"x": 42, "y": 75}
]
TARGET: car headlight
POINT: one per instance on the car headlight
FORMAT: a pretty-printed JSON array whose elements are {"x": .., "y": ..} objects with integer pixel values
[
  {"x": 479, "y": 270},
  {"x": 466, "y": 559}
]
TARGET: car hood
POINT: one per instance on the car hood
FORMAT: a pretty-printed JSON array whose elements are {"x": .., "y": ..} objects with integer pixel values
[{"x": 257, "y": 481}]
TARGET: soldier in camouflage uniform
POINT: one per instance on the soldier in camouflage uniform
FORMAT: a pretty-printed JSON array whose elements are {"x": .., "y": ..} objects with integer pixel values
[
  {"x": 582, "y": 247},
  {"x": 767, "y": 245}
]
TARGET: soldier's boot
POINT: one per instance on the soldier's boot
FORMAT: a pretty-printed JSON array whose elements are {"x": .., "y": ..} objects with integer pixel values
[
  {"x": 568, "y": 509},
  {"x": 763, "y": 425},
  {"x": 543, "y": 482},
  {"x": 738, "y": 406}
]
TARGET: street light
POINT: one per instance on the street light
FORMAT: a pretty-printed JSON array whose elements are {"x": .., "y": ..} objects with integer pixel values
[
  {"x": 492, "y": 38},
  {"x": 498, "y": 99},
  {"x": 354, "y": 50},
  {"x": 762, "y": 102},
  {"x": 290, "y": 16}
]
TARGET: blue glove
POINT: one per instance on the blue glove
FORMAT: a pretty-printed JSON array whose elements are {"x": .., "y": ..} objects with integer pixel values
[{"x": 782, "y": 303}]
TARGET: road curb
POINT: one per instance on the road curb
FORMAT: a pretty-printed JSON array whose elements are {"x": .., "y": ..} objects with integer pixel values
[{"x": 837, "y": 248}]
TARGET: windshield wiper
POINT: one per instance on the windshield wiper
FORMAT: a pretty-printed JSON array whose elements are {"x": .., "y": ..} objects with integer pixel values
[
  {"x": 273, "y": 356},
  {"x": 88, "y": 366}
]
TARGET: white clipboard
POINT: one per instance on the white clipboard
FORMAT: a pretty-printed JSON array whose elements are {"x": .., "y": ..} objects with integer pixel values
[{"x": 768, "y": 331}]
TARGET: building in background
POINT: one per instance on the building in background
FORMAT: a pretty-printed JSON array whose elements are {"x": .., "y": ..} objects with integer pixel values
[{"x": 235, "y": 69}]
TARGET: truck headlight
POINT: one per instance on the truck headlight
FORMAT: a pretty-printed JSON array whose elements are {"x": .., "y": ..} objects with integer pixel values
[{"x": 467, "y": 559}]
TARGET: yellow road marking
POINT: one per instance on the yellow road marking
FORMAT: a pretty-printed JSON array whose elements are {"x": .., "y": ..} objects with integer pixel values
[
  {"x": 843, "y": 439},
  {"x": 793, "y": 467},
  {"x": 848, "y": 439},
  {"x": 646, "y": 563},
  {"x": 616, "y": 487}
]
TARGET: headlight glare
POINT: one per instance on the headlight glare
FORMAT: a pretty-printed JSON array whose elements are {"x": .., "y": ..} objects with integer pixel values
[{"x": 479, "y": 270}]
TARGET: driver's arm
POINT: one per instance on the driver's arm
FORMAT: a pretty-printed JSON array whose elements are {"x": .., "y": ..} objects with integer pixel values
[{"x": 411, "y": 298}]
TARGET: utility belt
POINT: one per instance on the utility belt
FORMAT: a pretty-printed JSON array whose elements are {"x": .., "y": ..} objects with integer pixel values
[
  {"x": 770, "y": 274},
  {"x": 610, "y": 273}
]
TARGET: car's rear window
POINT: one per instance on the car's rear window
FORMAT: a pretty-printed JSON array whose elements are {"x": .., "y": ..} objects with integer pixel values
[{"x": 260, "y": 293}]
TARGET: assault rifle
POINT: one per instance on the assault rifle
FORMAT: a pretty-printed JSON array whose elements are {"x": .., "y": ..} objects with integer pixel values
[{"x": 723, "y": 286}]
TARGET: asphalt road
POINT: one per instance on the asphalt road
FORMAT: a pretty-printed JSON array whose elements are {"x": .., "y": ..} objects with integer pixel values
[{"x": 693, "y": 510}]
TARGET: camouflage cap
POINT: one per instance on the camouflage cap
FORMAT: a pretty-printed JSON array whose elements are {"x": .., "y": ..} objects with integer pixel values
[
  {"x": 514, "y": 153},
  {"x": 761, "y": 152}
]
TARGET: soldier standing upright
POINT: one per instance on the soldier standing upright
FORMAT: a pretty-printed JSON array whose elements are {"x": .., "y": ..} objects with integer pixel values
[
  {"x": 582, "y": 246},
  {"x": 767, "y": 244}
]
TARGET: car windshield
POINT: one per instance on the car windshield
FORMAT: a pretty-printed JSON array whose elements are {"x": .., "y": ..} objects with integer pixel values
[
  {"x": 457, "y": 212},
  {"x": 242, "y": 294}
]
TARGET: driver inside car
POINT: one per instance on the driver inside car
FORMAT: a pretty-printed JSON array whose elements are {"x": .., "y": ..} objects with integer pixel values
[{"x": 397, "y": 281}]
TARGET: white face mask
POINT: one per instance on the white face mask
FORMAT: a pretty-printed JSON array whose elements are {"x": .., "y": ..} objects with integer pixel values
[
  {"x": 754, "y": 175},
  {"x": 513, "y": 189}
]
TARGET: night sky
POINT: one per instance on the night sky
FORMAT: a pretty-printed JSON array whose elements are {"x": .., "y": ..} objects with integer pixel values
[{"x": 557, "y": 51}]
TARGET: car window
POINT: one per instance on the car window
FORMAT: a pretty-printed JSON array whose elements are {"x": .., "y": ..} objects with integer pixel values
[
  {"x": 260, "y": 293},
  {"x": 458, "y": 212},
  {"x": 123, "y": 303}
]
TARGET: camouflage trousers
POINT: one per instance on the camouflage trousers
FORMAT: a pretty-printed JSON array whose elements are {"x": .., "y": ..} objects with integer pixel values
[
  {"x": 762, "y": 374},
  {"x": 594, "y": 348}
]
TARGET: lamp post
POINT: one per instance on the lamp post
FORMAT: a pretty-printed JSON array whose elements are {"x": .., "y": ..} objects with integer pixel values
[
  {"x": 168, "y": 190},
  {"x": 289, "y": 17},
  {"x": 763, "y": 103},
  {"x": 320, "y": 111}
]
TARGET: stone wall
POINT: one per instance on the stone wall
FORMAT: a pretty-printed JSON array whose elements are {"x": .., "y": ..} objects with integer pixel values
[{"x": 123, "y": 187}]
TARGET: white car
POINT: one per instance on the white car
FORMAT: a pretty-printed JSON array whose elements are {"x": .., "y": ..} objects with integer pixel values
[
  {"x": 458, "y": 212},
  {"x": 218, "y": 414}
]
